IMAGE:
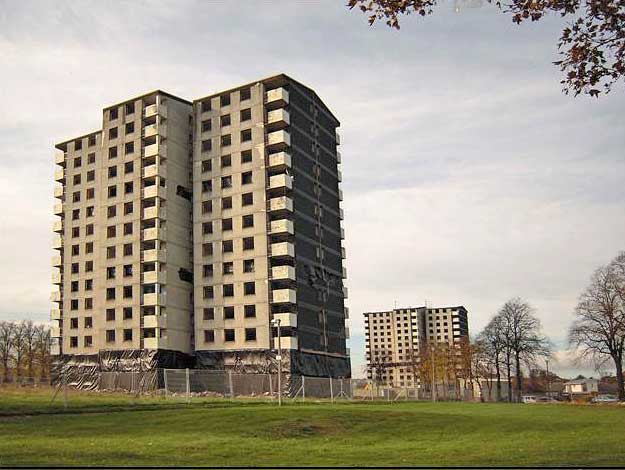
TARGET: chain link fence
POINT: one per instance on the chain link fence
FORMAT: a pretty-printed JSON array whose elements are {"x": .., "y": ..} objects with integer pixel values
[{"x": 189, "y": 384}]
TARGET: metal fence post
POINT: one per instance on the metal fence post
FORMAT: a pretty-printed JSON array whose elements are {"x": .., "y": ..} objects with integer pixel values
[
  {"x": 230, "y": 384},
  {"x": 165, "y": 383},
  {"x": 270, "y": 385},
  {"x": 188, "y": 386},
  {"x": 303, "y": 387},
  {"x": 65, "y": 392},
  {"x": 133, "y": 386},
  {"x": 331, "y": 392}
]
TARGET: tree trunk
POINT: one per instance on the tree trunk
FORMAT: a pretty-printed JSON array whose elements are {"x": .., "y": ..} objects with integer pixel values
[
  {"x": 509, "y": 372},
  {"x": 498, "y": 373},
  {"x": 519, "y": 387},
  {"x": 618, "y": 364}
]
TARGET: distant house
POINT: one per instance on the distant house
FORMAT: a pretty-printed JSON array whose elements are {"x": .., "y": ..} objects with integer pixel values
[
  {"x": 486, "y": 390},
  {"x": 581, "y": 387},
  {"x": 554, "y": 389}
]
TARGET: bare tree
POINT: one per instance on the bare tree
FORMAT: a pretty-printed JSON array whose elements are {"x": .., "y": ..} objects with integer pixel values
[
  {"x": 592, "y": 45},
  {"x": 43, "y": 342},
  {"x": 381, "y": 361},
  {"x": 494, "y": 344},
  {"x": 19, "y": 347},
  {"x": 6, "y": 347},
  {"x": 465, "y": 355},
  {"x": 524, "y": 340},
  {"x": 428, "y": 367},
  {"x": 482, "y": 367},
  {"x": 598, "y": 332},
  {"x": 30, "y": 347},
  {"x": 412, "y": 363},
  {"x": 24, "y": 347}
]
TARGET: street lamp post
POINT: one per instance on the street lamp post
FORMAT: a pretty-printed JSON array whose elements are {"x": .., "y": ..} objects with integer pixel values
[
  {"x": 276, "y": 322},
  {"x": 433, "y": 374},
  {"x": 548, "y": 380}
]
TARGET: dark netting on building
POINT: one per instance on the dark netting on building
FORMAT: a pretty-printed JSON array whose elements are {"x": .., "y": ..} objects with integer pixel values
[
  {"x": 246, "y": 362},
  {"x": 89, "y": 372},
  {"x": 263, "y": 362}
]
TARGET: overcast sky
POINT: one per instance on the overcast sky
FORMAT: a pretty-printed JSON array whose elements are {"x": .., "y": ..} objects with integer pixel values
[{"x": 469, "y": 177}]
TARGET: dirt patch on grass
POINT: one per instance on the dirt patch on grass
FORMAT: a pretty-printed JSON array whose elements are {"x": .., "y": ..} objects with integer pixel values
[{"x": 304, "y": 429}]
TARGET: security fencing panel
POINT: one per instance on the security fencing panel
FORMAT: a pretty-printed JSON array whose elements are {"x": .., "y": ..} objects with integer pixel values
[
  {"x": 342, "y": 389},
  {"x": 316, "y": 387},
  {"x": 26, "y": 381},
  {"x": 176, "y": 382},
  {"x": 135, "y": 382},
  {"x": 296, "y": 387},
  {"x": 252, "y": 385},
  {"x": 321, "y": 387},
  {"x": 209, "y": 383},
  {"x": 200, "y": 382},
  {"x": 363, "y": 389}
]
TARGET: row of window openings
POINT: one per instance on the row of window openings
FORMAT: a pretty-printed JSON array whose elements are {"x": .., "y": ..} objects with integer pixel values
[
  {"x": 247, "y": 221},
  {"x": 229, "y": 335},
  {"x": 398, "y": 319},
  {"x": 224, "y": 100},
  {"x": 77, "y": 163},
  {"x": 111, "y": 294},
  {"x": 110, "y": 274},
  {"x": 129, "y": 148},
  {"x": 225, "y": 120},
  {"x": 112, "y": 192},
  {"x": 227, "y": 246},
  {"x": 398, "y": 325},
  {"x": 129, "y": 109},
  {"x": 110, "y": 338},
  {"x": 90, "y": 212},
  {"x": 129, "y": 168},
  {"x": 400, "y": 357},
  {"x": 226, "y": 161},
  {"x": 226, "y": 182},
  {"x": 91, "y": 142},
  {"x": 228, "y": 268},
  {"x": 111, "y": 232},
  {"x": 247, "y": 199},
  {"x": 207, "y": 186},
  {"x": 226, "y": 140},
  {"x": 111, "y": 251},
  {"x": 227, "y": 290},
  {"x": 129, "y": 128},
  {"x": 390, "y": 332},
  {"x": 249, "y": 311},
  {"x": 399, "y": 344},
  {"x": 110, "y": 316}
]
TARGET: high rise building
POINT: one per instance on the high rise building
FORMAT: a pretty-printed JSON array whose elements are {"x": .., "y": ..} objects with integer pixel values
[
  {"x": 395, "y": 339},
  {"x": 199, "y": 232}
]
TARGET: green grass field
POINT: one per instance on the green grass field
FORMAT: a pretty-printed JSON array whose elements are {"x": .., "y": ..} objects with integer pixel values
[{"x": 114, "y": 430}]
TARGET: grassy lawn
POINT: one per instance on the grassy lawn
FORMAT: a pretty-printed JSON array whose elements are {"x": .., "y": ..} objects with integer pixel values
[{"x": 114, "y": 430}]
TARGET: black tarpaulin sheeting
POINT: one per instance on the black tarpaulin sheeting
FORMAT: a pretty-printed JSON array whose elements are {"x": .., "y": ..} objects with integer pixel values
[
  {"x": 87, "y": 371},
  {"x": 263, "y": 362}
]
